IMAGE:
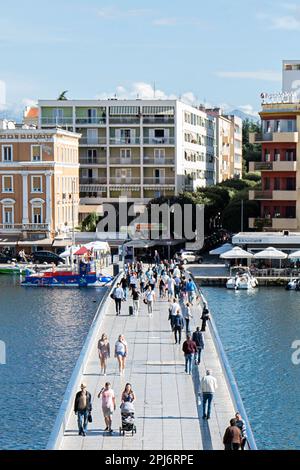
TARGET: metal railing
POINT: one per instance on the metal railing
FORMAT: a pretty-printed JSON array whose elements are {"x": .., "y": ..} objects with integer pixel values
[
  {"x": 158, "y": 120},
  {"x": 97, "y": 160},
  {"x": 124, "y": 161},
  {"x": 90, "y": 120},
  {"x": 159, "y": 161},
  {"x": 228, "y": 374},
  {"x": 126, "y": 180},
  {"x": 28, "y": 227},
  {"x": 159, "y": 140},
  {"x": 124, "y": 140},
  {"x": 124, "y": 120},
  {"x": 66, "y": 407},
  {"x": 159, "y": 180},
  {"x": 92, "y": 141},
  {"x": 57, "y": 121},
  {"x": 99, "y": 180}
]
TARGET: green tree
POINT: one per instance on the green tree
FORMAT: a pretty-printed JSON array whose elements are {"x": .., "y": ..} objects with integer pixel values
[
  {"x": 251, "y": 152},
  {"x": 89, "y": 224}
]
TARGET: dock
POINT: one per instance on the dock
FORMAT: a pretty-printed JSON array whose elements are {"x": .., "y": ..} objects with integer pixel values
[{"x": 167, "y": 411}]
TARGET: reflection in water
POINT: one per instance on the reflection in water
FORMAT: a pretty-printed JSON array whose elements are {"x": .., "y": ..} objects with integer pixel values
[
  {"x": 44, "y": 331},
  {"x": 257, "y": 329}
]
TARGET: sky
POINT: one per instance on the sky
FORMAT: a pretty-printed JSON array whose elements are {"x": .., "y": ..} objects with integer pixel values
[{"x": 218, "y": 52}]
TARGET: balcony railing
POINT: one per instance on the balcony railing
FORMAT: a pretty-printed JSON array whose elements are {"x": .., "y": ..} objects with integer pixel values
[
  {"x": 124, "y": 161},
  {"x": 124, "y": 120},
  {"x": 56, "y": 121},
  {"x": 276, "y": 223},
  {"x": 258, "y": 166},
  {"x": 158, "y": 120},
  {"x": 159, "y": 161},
  {"x": 277, "y": 165},
  {"x": 91, "y": 141},
  {"x": 90, "y": 120},
  {"x": 159, "y": 140},
  {"x": 87, "y": 160},
  {"x": 283, "y": 137},
  {"x": 159, "y": 180},
  {"x": 263, "y": 194},
  {"x": 126, "y": 180},
  {"x": 99, "y": 180},
  {"x": 25, "y": 227},
  {"x": 124, "y": 140}
]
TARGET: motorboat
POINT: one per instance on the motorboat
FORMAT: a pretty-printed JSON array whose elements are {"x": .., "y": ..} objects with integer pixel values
[
  {"x": 14, "y": 268},
  {"x": 242, "y": 279},
  {"x": 293, "y": 284},
  {"x": 63, "y": 277}
]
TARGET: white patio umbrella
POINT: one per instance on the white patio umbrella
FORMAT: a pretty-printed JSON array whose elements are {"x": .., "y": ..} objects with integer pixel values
[
  {"x": 294, "y": 255},
  {"x": 98, "y": 246},
  {"x": 236, "y": 253},
  {"x": 68, "y": 251},
  {"x": 221, "y": 249},
  {"x": 270, "y": 253}
]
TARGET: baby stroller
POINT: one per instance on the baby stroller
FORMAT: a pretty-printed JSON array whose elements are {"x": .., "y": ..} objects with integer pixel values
[{"x": 127, "y": 418}]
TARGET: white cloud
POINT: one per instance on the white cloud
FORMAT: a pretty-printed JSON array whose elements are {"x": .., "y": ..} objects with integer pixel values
[
  {"x": 2, "y": 95},
  {"x": 267, "y": 75},
  {"x": 248, "y": 109},
  {"x": 146, "y": 91},
  {"x": 165, "y": 22},
  {"x": 29, "y": 102},
  {"x": 285, "y": 23}
]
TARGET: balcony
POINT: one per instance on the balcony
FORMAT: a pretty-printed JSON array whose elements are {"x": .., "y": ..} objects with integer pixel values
[
  {"x": 24, "y": 227},
  {"x": 159, "y": 161},
  {"x": 88, "y": 160},
  {"x": 159, "y": 181},
  {"x": 124, "y": 140},
  {"x": 158, "y": 120},
  {"x": 276, "y": 223},
  {"x": 99, "y": 180},
  {"x": 124, "y": 161},
  {"x": 90, "y": 120},
  {"x": 57, "y": 121},
  {"x": 124, "y": 181},
  {"x": 276, "y": 137},
  {"x": 273, "y": 166},
  {"x": 127, "y": 120},
  {"x": 276, "y": 195},
  {"x": 159, "y": 141},
  {"x": 92, "y": 141}
]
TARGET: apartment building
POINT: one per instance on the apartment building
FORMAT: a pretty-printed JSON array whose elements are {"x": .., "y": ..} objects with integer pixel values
[
  {"x": 140, "y": 149},
  {"x": 39, "y": 184},
  {"x": 228, "y": 145}
]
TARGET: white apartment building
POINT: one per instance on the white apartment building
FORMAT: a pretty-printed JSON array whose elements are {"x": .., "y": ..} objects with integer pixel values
[{"x": 140, "y": 149}]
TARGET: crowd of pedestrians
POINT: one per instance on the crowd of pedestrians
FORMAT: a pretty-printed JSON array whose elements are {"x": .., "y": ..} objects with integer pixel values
[{"x": 140, "y": 284}]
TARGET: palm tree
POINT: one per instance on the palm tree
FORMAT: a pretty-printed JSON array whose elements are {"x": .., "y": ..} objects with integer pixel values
[{"x": 62, "y": 96}]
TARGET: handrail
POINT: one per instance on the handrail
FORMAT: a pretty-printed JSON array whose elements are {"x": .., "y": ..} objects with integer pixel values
[
  {"x": 74, "y": 382},
  {"x": 229, "y": 376}
]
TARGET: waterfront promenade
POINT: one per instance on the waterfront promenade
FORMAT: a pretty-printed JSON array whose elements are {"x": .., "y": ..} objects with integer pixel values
[{"x": 167, "y": 412}]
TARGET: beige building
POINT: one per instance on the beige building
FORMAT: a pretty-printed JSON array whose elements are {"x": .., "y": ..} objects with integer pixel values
[
  {"x": 229, "y": 145},
  {"x": 39, "y": 184}
]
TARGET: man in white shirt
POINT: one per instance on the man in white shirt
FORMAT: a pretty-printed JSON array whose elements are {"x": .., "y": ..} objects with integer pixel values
[
  {"x": 171, "y": 284},
  {"x": 176, "y": 272},
  {"x": 118, "y": 296},
  {"x": 174, "y": 308},
  {"x": 208, "y": 388}
]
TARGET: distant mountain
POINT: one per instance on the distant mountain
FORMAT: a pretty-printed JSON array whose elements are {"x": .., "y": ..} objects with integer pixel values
[{"x": 244, "y": 116}]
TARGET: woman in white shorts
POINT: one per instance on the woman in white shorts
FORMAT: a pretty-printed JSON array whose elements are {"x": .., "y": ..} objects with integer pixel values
[{"x": 121, "y": 351}]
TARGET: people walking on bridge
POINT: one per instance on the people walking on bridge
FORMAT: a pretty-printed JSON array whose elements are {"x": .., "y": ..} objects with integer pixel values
[
  {"x": 162, "y": 288},
  {"x": 150, "y": 298},
  {"x": 108, "y": 405},
  {"x": 178, "y": 325},
  {"x": 232, "y": 438},
  {"x": 204, "y": 317},
  {"x": 136, "y": 301},
  {"x": 174, "y": 308},
  {"x": 119, "y": 297},
  {"x": 104, "y": 352},
  {"x": 191, "y": 290},
  {"x": 128, "y": 395},
  {"x": 171, "y": 288},
  {"x": 199, "y": 340},
  {"x": 82, "y": 408},
  {"x": 124, "y": 285},
  {"x": 208, "y": 388},
  {"x": 121, "y": 352},
  {"x": 240, "y": 423},
  {"x": 190, "y": 349},
  {"x": 187, "y": 314}
]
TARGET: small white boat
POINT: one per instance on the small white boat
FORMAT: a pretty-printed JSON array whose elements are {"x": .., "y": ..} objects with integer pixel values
[
  {"x": 293, "y": 284},
  {"x": 242, "y": 280}
]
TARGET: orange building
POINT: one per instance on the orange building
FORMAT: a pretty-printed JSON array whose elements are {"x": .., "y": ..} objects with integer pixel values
[{"x": 39, "y": 185}]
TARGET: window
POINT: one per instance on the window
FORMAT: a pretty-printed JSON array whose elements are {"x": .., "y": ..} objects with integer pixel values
[
  {"x": 37, "y": 215},
  {"x": 36, "y": 153},
  {"x": 277, "y": 126},
  {"x": 36, "y": 184},
  {"x": 159, "y": 154},
  {"x": 7, "y": 184},
  {"x": 92, "y": 155},
  {"x": 125, "y": 154},
  {"x": 8, "y": 216},
  {"x": 276, "y": 183},
  {"x": 276, "y": 155},
  {"x": 291, "y": 184},
  {"x": 7, "y": 153},
  {"x": 267, "y": 156},
  {"x": 290, "y": 125},
  {"x": 266, "y": 184}
]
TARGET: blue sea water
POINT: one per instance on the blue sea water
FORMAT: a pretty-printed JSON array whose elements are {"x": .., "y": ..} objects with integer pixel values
[{"x": 44, "y": 331}]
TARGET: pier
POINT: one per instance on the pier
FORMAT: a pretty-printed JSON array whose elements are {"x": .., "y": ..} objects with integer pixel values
[{"x": 167, "y": 411}]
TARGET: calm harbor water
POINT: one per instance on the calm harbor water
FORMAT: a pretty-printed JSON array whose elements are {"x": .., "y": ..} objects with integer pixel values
[
  {"x": 257, "y": 329},
  {"x": 44, "y": 331}
]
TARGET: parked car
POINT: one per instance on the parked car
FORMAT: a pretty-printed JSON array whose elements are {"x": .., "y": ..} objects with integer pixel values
[
  {"x": 189, "y": 257},
  {"x": 46, "y": 257},
  {"x": 4, "y": 258}
]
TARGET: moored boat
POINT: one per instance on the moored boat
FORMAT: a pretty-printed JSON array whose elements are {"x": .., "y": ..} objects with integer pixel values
[{"x": 243, "y": 279}]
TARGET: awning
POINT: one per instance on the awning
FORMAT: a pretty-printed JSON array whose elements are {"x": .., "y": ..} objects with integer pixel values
[
  {"x": 44, "y": 242},
  {"x": 62, "y": 243},
  {"x": 9, "y": 240},
  {"x": 89, "y": 209}
]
